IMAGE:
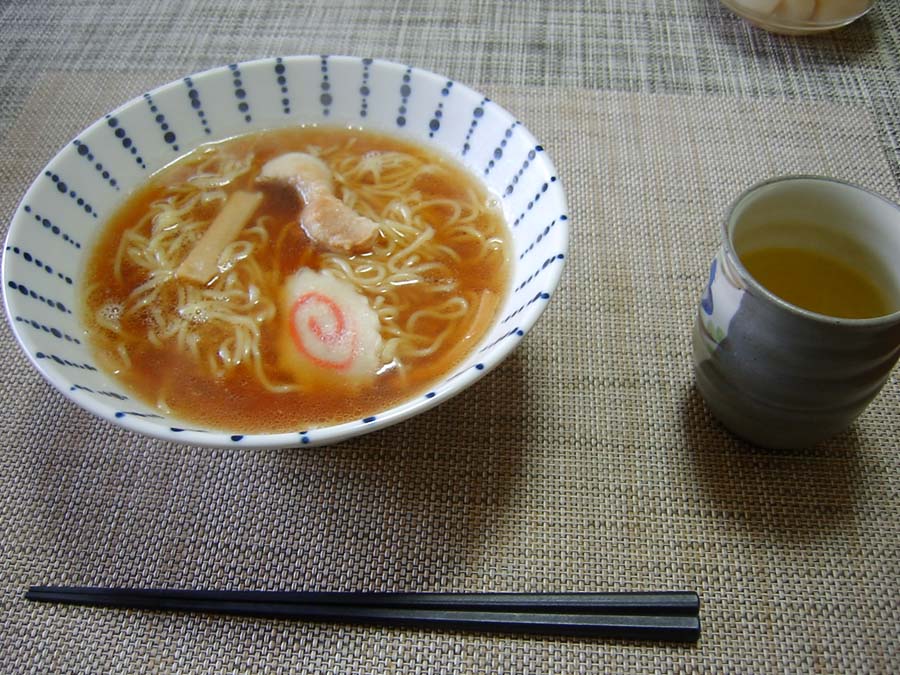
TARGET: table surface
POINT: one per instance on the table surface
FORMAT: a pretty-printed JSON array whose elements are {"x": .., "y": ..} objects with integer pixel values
[{"x": 587, "y": 461}]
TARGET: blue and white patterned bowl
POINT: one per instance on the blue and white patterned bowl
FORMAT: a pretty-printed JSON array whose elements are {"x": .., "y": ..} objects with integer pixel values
[{"x": 54, "y": 227}]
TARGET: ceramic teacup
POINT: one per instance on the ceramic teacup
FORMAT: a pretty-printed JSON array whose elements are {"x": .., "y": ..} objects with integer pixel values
[{"x": 774, "y": 373}]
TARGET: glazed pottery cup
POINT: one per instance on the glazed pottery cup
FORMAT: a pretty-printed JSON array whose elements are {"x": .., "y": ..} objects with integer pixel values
[{"x": 777, "y": 375}]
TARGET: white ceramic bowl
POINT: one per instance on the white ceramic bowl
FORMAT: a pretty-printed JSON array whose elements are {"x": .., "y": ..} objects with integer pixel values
[
  {"x": 799, "y": 17},
  {"x": 54, "y": 227}
]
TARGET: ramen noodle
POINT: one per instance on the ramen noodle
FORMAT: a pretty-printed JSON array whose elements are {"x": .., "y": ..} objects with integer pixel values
[{"x": 295, "y": 278}]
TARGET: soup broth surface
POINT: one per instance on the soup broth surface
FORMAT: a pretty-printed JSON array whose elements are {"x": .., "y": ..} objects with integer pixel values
[{"x": 459, "y": 224}]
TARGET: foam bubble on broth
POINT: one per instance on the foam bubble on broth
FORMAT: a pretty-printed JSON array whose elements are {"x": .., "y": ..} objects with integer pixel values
[{"x": 442, "y": 248}]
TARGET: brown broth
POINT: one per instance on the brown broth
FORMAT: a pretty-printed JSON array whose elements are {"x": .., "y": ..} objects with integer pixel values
[{"x": 238, "y": 402}]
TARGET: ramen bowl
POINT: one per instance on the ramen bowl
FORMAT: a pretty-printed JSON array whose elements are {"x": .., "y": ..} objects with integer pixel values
[
  {"x": 799, "y": 17},
  {"x": 58, "y": 222}
]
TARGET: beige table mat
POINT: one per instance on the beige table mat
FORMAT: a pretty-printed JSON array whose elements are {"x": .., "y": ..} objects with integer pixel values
[{"x": 585, "y": 462}]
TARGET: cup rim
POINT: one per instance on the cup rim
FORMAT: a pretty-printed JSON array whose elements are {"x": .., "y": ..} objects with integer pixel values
[{"x": 755, "y": 286}]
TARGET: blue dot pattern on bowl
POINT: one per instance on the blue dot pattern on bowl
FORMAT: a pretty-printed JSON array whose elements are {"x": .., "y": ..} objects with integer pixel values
[
  {"x": 88, "y": 178},
  {"x": 112, "y": 394},
  {"x": 52, "y": 330},
  {"x": 125, "y": 140},
  {"x": 497, "y": 155},
  {"x": 240, "y": 93},
  {"x": 63, "y": 188},
  {"x": 477, "y": 114},
  {"x": 405, "y": 93},
  {"x": 121, "y": 414},
  {"x": 58, "y": 305},
  {"x": 281, "y": 80},
  {"x": 325, "y": 97},
  {"x": 50, "y": 226},
  {"x": 168, "y": 136},
  {"x": 435, "y": 124},
  {"x": 364, "y": 90},
  {"x": 196, "y": 103},
  {"x": 84, "y": 151}
]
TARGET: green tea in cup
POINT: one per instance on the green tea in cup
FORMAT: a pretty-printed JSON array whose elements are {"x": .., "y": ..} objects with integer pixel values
[
  {"x": 799, "y": 326},
  {"x": 818, "y": 282}
]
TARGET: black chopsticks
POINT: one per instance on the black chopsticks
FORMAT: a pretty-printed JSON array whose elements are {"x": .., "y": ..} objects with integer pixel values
[{"x": 664, "y": 616}]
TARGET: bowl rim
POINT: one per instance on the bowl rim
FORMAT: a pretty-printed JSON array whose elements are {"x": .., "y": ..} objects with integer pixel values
[{"x": 444, "y": 389}]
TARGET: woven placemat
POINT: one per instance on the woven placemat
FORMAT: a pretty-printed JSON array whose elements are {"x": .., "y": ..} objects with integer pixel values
[{"x": 585, "y": 462}]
